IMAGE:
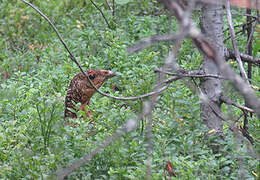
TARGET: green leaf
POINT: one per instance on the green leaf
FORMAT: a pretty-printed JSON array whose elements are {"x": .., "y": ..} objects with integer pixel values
[
  {"x": 256, "y": 48},
  {"x": 122, "y": 2}
]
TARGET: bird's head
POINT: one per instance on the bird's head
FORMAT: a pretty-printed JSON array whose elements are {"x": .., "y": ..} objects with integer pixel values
[{"x": 98, "y": 77}]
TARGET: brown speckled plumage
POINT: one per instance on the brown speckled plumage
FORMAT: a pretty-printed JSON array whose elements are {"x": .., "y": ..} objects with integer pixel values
[{"x": 80, "y": 90}]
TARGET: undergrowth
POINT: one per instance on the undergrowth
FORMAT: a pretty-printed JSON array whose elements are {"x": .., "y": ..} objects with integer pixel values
[{"x": 35, "y": 73}]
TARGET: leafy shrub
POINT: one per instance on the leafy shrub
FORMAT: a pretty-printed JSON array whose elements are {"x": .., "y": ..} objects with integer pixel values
[{"x": 36, "y": 72}]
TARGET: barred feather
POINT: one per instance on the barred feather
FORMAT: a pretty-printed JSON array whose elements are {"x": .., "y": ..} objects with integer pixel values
[{"x": 80, "y": 90}]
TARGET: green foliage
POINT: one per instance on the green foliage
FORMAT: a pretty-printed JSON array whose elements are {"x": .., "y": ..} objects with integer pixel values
[
  {"x": 256, "y": 48},
  {"x": 35, "y": 73}
]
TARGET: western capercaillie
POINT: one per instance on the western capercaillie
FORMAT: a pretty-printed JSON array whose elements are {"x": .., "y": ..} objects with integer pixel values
[{"x": 80, "y": 90}]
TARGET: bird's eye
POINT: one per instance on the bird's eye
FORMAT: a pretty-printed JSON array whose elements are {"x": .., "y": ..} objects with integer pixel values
[{"x": 92, "y": 77}]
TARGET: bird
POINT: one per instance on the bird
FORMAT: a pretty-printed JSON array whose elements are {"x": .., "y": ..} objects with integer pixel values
[{"x": 80, "y": 91}]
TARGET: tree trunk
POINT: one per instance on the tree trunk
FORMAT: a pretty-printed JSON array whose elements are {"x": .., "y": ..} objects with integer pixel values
[{"x": 212, "y": 27}]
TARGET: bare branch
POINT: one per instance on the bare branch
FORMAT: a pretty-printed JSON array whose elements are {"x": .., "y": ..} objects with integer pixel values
[
  {"x": 230, "y": 102},
  {"x": 151, "y": 40},
  {"x": 248, "y": 15},
  {"x": 108, "y": 4},
  {"x": 244, "y": 25},
  {"x": 229, "y": 54},
  {"x": 232, "y": 32},
  {"x": 241, "y": 25},
  {"x": 113, "y": 5},
  {"x": 101, "y": 14},
  {"x": 52, "y": 25},
  {"x": 250, "y": 37},
  {"x": 236, "y": 33},
  {"x": 195, "y": 74},
  {"x": 246, "y": 134}
]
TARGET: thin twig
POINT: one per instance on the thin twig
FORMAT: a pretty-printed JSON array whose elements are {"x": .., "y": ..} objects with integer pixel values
[
  {"x": 240, "y": 31},
  {"x": 249, "y": 50},
  {"x": 249, "y": 41},
  {"x": 113, "y": 8},
  {"x": 232, "y": 32},
  {"x": 151, "y": 40},
  {"x": 236, "y": 33},
  {"x": 246, "y": 134},
  {"x": 230, "y": 102},
  {"x": 248, "y": 15},
  {"x": 194, "y": 74},
  {"x": 108, "y": 4},
  {"x": 108, "y": 25},
  {"x": 241, "y": 25}
]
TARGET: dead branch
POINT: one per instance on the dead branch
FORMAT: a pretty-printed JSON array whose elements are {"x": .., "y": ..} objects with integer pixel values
[
  {"x": 246, "y": 134},
  {"x": 249, "y": 50},
  {"x": 232, "y": 32},
  {"x": 241, "y": 25},
  {"x": 108, "y": 4},
  {"x": 101, "y": 12},
  {"x": 236, "y": 33},
  {"x": 247, "y": 15},
  {"x": 229, "y": 54},
  {"x": 230, "y": 102},
  {"x": 151, "y": 40},
  {"x": 194, "y": 74},
  {"x": 250, "y": 37}
]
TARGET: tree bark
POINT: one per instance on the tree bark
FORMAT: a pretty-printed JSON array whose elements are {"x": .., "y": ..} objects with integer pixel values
[{"x": 212, "y": 27}]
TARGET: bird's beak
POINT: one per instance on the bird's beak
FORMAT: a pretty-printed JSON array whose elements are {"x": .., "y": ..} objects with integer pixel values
[{"x": 111, "y": 74}]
